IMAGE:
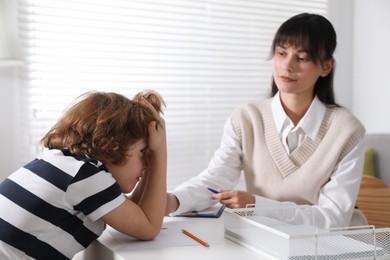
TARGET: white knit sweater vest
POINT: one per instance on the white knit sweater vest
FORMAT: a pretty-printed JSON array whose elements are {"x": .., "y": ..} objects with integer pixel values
[{"x": 271, "y": 172}]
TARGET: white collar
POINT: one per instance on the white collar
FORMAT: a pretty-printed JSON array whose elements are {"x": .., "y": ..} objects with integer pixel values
[{"x": 310, "y": 122}]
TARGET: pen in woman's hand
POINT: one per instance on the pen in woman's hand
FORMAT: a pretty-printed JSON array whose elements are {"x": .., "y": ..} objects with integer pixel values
[{"x": 212, "y": 190}]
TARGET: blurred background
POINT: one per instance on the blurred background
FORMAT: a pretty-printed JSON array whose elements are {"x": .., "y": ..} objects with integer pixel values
[{"x": 204, "y": 57}]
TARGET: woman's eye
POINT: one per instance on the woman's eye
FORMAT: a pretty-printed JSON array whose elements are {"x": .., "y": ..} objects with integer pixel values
[{"x": 306, "y": 58}]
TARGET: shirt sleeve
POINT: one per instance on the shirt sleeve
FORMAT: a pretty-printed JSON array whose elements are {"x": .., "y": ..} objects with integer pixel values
[
  {"x": 336, "y": 199},
  {"x": 223, "y": 172},
  {"x": 95, "y": 195}
]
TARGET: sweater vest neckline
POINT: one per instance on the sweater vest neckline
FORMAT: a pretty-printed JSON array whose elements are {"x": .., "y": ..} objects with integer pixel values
[{"x": 289, "y": 163}]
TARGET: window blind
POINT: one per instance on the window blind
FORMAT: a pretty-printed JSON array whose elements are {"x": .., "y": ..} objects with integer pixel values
[{"x": 205, "y": 57}]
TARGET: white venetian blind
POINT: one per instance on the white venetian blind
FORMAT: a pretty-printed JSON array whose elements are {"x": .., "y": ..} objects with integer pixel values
[{"x": 205, "y": 57}]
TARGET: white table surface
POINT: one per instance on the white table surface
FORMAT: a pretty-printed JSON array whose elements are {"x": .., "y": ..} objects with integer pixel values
[{"x": 107, "y": 247}]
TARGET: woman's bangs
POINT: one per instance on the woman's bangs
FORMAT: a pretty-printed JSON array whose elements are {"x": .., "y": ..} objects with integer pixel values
[{"x": 299, "y": 38}]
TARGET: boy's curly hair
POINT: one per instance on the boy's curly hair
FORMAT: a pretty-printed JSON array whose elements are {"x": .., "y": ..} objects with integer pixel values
[{"x": 103, "y": 125}]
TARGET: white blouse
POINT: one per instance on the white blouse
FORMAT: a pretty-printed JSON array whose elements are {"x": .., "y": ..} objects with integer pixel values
[{"x": 336, "y": 198}]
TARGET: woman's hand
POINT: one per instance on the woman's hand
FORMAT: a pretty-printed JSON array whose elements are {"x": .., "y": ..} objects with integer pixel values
[{"x": 234, "y": 198}]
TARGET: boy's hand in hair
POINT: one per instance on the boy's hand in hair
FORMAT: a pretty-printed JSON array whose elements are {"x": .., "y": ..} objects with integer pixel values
[{"x": 157, "y": 133}]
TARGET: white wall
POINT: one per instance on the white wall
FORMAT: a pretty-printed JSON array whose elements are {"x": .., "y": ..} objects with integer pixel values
[
  {"x": 9, "y": 88},
  {"x": 371, "y": 64},
  {"x": 8, "y": 120},
  {"x": 341, "y": 16}
]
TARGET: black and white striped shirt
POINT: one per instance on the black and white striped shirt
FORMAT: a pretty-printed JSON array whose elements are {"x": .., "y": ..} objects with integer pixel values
[{"x": 51, "y": 208}]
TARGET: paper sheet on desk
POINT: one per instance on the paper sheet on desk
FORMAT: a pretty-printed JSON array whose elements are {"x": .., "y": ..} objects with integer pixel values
[{"x": 171, "y": 235}]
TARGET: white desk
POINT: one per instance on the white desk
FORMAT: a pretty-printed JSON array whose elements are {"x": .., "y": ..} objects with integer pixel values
[{"x": 108, "y": 248}]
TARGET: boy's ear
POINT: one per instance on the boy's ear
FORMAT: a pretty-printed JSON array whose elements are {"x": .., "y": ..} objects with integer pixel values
[{"x": 327, "y": 67}]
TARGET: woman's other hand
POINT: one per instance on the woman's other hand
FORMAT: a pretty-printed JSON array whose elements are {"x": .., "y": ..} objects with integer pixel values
[{"x": 234, "y": 198}]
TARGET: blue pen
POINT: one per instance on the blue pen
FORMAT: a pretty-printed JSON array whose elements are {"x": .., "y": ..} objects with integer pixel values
[{"x": 213, "y": 191}]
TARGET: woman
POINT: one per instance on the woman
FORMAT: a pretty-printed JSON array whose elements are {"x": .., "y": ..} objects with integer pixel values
[{"x": 296, "y": 148}]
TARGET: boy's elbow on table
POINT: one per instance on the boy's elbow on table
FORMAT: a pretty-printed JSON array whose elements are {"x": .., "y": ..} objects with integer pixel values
[{"x": 148, "y": 233}]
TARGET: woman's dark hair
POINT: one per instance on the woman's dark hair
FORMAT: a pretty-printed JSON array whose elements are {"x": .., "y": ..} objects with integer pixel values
[{"x": 316, "y": 35}]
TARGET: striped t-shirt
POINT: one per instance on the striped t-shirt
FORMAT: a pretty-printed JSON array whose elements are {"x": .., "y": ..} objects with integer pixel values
[{"x": 51, "y": 208}]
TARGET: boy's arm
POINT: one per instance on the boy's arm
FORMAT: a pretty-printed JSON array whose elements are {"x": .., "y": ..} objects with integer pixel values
[
  {"x": 144, "y": 220},
  {"x": 139, "y": 190}
]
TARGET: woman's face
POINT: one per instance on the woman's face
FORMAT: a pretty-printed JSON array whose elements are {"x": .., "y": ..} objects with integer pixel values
[
  {"x": 130, "y": 172},
  {"x": 295, "y": 72}
]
